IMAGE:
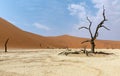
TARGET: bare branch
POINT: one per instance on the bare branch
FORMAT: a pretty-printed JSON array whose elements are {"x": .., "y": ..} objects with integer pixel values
[
  {"x": 100, "y": 24},
  {"x": 85, "y": 41},
  {"x": 105, "y": 27},
  {"x": 90, "y": 27},
  {"x": 104, "y": 14},
  {"x": 97, "y": 34},
  {"x": 89, "y": 20},
  {"x": 83, "y": 28}
]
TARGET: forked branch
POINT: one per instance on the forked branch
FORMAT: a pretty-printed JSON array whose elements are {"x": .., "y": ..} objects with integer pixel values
[
  {"x": 88, "y": 28},
  {"x": 100, "y": 25},
  {"x": 90, "y": 23}
]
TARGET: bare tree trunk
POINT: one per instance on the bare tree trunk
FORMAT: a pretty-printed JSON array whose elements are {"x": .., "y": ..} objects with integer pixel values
[
  {"x": 6, "y": 44},
  {"x": 92, "y": 46}
]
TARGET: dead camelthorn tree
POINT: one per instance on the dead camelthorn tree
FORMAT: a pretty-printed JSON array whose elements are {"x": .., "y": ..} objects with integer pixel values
[
  {"x": 95, "y": 35},
  {"x": 6, "y": 42}
]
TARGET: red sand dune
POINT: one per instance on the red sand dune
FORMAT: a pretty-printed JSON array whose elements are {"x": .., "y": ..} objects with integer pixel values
[{"x": 22, "y": 39}]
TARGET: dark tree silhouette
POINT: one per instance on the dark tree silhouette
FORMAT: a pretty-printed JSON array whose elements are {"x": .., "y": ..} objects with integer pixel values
[
  {"x": 6, "y": 42},
  {"x": 94, "y": 35}
]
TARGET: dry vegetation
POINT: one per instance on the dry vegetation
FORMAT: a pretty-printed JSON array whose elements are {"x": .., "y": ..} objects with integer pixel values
[{"x": 84, "y": 52}]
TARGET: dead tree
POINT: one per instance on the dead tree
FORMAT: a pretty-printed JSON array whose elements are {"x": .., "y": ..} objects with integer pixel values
[
  {"x": 94, "y": 35},
  {"x": 6, "y": 42}
]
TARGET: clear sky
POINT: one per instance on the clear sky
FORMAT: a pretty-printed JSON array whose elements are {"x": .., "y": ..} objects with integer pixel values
[{"x": 58, "y": 17}]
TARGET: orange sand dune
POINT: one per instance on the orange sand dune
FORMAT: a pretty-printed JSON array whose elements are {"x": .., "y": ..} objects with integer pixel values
[{"x": 22, "y": 39}]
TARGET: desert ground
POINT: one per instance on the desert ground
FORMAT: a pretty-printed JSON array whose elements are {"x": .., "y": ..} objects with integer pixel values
[{"x": 47, "y": 62}]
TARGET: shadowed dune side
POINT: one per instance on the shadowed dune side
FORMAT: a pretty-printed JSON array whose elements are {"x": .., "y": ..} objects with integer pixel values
[{"x": 22, "y": 39}]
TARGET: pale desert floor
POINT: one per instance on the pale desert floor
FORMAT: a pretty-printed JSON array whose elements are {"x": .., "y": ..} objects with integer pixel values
[{"x": 46, "y": 62}]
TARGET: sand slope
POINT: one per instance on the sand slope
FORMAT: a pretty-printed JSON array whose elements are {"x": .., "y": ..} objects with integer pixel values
[
  {"x": 22, "y": 39},
  {"x": 47, "y": 63}
]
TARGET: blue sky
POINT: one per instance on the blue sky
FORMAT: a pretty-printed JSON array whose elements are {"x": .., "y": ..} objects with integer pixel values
[{"x": 58, "y": 17}]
